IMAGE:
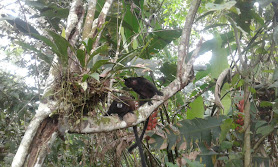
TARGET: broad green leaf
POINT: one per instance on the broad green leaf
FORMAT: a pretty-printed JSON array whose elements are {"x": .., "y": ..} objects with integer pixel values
[
  {"x": 225, "y": 128},
  {"x": 95, "y": 76},
  {"x": 85, "y": 77},
  {"x": 172, "y": 137},
  {"x": 21, "y": 25},
  {"x": 158, "y": 141},
  {"x": 274, "y": 85},
  {"x": 122, "y": 32},
  {"x": 169, "y": 70},
  {"x": 275, "y": 75},
  {"x": 196, "y": 109},
  {"x": 48, "y": 42},
  {"x": 219, "y": 61},
  {"x": 100, "y": 50},
  {"x": 257, "y": 17},
  {"x": 62, "y": 46},
  {"x": 81, "y": 57},
  {"x": 202, "y": 74},
  {"x": 235, "y": 79},
  {"x": 61, "y": 43},
  {"x": 226, "y": 101},
  {"x": 127, "y": 57},
  {"x": 202, "y": 129},
  {"x": 206, "y": 130},
  {"x": 241, "y": 21},
  {"x": 225, "y": 145},
  {"x": 213, "y": 6},
  {"x": 264, "y": 130},
  {"x": 161, "y": 39},
  {"x": 265, "y": 104},
  {"x": 88, "y": 43},
  {"x": 98, "y": 64},
  {"x": 130, "y": 18},
  {"x": 63, "y": 34},
  {"x": 134, "y": 44},
  {"x": 260, "y": 124}
]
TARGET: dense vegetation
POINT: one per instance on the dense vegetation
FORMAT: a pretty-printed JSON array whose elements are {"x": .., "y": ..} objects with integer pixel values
[{"x": 225, "y": 116}]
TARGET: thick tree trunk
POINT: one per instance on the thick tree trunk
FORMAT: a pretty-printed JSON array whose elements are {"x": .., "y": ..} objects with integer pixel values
[{"x": 42, "y": 141}]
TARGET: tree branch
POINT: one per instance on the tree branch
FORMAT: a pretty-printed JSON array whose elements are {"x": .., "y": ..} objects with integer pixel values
[
  {"x": 100, "y": 21},
  {"x": 184, "y": 43},
  {"x": 110, "y": 123},
  {"x": 89, "y": 19}
]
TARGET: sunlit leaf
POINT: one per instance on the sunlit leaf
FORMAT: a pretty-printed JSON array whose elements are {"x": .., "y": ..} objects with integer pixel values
[
  {"x": 227, "y": 5},
  {"x": 196, "y": 109}
]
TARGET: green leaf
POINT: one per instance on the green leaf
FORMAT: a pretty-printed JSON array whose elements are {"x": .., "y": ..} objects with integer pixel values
[
  {"x": 127, "y": 57},
  {"x": 85, "y": 77},
  {"x": 48, "y": 42},
  {"x": 225, "y": 145},
  {"x": 202, "y": 74},
  {"x": 88, "y": 43},
  {"x": 158, "y": 141},
  {"x": 225, "y": 128},
  {"x": 130, "y": 18},
  {"x": 81, "y": 57},
  {"x": 21, "y": 25},
  {"x": 162, "y": 38},
  {"x": 169, "y": 70},
  {"x": 98, "y": 64},
  {"x": 264, "y": 130},
  {"x": 219, "y": 61},
  {"x": 260, "y": 124},
  {"x": 202, "y": 129},
  {"x": 172, "y": 137},
  {"x": 265, "y": 104},
  {"x": 100, "y": 50},
  {"x": 196, "y": 109},
  {"x": 95, "y": 76},
  {"x": 274, "y": 85},
  {"x": 275, "y": 75},
  {"x": 213, "y": 6},
  {"x": 226, "y": 101},
  {"x": 61, "y": 43},
  {"x": 206, "y": 130}
]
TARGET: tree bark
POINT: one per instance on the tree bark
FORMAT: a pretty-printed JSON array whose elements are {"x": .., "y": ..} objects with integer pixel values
[{"x": 247, "y": 132}]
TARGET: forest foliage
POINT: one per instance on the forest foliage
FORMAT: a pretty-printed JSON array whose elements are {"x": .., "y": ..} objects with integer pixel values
[{"x": 141, "y": 38}]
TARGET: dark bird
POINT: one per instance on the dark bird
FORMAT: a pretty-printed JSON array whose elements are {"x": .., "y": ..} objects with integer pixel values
[
  {"x": 146, "y": 91},
  {"x": 143, "y": 87},
  {"x": 124, "y": 106},
  {"x": 121, "y": 106}
]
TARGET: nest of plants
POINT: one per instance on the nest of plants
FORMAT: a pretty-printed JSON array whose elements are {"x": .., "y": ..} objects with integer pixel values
[{"x": 77, "y": 97}]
